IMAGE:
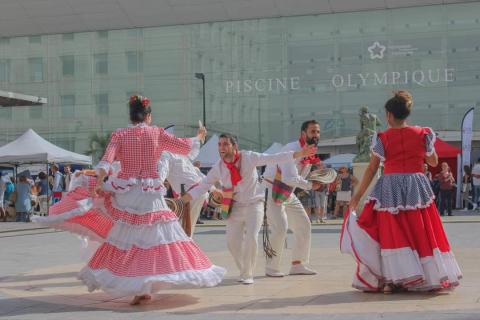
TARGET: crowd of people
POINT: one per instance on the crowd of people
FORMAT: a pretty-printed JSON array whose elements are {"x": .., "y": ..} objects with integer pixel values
[{"x": 21, "y": 200}]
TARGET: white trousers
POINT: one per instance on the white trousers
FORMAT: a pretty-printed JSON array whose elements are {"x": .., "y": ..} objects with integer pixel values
[
  {"x": 196, "y": 206},
  {"x": 244, "y": 217},
  {"x": 289, "y": 215}
]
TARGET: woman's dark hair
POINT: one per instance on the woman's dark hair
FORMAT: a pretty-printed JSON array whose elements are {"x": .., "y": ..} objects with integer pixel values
[
  {"x": 400, "y": 105},
  {"x": 467, "y": 170},
  {"x": 138, "y": 112},
  {"x": 42, "y": 175}
]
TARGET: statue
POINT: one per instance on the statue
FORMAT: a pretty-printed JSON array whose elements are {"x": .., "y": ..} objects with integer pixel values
[{"x": 368, "y": 126}]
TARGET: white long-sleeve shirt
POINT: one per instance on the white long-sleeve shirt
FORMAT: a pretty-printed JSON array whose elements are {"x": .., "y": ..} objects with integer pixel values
[
  {"x": 248, "y": 190},
  {"x": 476, "y": 170},
  {"x": 291, "y": 170},
  {"x": 178, "y": 169}
]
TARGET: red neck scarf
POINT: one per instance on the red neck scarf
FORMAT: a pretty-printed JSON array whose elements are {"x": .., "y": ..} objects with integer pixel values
[
  {"x": 309, "y": 160},
  {"x": 234, "y": 172}
]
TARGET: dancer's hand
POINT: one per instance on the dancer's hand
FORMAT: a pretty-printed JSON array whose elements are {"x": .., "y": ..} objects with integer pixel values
[
  {"x": 307, "y": 151},
  {"x": 201, "y": 133},
  {"x": 354, "y": 202},
  {"x": 96, "y": 190},
  {"x": 218, "y": 194},
  {"x": 78, "y": 173},
  {"x": 316, "y": 185}
]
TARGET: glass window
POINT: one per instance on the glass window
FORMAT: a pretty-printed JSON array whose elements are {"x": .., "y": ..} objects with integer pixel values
[
  {"x": 68, "y": 106},
  {"x": 36, "y": 69},
  {"x": 134, "y": 62},
  {"x": 101, "y": 63},
  {"x": 6, "y": 113},
  {"x": 35, "y": 112},
  {"x": 102, "y": 34},
  {"x": 35, "y": 39},
  {"x": 68, "y": 36},
  {"x": 67, "y": 144},
  {"x": 68, "y": 66},
  {"x": 101, "y": 104},
  {"x": 134, "y": 32},
  {"x": 4, "y": 70},
  {"x": 4, "y": 40}
]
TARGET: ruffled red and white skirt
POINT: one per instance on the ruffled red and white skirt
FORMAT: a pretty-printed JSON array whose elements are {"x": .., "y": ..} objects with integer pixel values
[
  {"x": 408, "y": 248},
  {"x": 141, "y": 247}
]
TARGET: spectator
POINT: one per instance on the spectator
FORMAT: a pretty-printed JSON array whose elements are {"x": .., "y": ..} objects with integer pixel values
[
  {"x": 23, "y": 205},
  {"x": 344, "y": 186},
  {"x": 68, "y": 176},
  {"x": 43, "y": 185},
  {"x": 321, "y": 197},
  {"x": 307, "y": 198},
  {"x": 2, "y": 193},
  {"x": 467, "y": 181},
  {"x": 446, "y": 189},
  {"x": 58, "y": 184},
  {"x": 9, "y": 188},
  {"x": 426, "y": 172},
  {"x": 476, "y": 182}
]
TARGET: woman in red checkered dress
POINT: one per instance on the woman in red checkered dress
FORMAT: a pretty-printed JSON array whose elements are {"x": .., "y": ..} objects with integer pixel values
[
  {"x": 398, "y": 241},
  {"x": 144, "y": 249}
]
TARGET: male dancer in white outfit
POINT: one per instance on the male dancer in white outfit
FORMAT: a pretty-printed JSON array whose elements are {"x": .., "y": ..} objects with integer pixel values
[
  {"x": 247, "y": 211},
  {"x": 293, "y": 174},
  {"x": 178, "y": 170}
]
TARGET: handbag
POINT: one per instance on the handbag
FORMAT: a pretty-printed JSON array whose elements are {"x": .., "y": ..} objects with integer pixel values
[
  {"x": 227, "y": 200},
  {"x": 280, "y": 190}
]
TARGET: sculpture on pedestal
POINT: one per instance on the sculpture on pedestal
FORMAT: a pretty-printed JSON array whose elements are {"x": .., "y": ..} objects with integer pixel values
[{"x": 368, "y": 126}]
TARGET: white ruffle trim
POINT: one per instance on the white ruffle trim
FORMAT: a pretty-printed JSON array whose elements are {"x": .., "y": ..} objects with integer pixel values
[
  {"x": 373, "y": 144},
  {"x": 149, "y": 185},
  {"x": 195, "y": 150},
  {"x": 430, "y": 144},
  {"x": 397, "y": 209},
  {"x": 102, "y": 165},
  {"x": 116, "y": 285},
  {"x": 83, "y": 206},
  {"x": 124, "y": 236}
]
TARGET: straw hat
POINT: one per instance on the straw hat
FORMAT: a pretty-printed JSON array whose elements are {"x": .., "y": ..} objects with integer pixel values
[
  {"x": 176, "y": 205},
  {"x": 214, "y": 201},
  {"x": 324, "y": 176}
]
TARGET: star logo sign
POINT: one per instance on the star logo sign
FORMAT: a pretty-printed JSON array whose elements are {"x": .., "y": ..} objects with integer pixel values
[{"x": 376, "y": 50}]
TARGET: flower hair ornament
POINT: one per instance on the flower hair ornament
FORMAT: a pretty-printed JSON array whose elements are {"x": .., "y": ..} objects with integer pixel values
[
  {"x": 144, "y": 100},
  {"x": 397, "y": 93}
]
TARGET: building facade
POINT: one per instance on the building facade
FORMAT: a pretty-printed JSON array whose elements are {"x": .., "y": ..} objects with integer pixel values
[{"x": 264, "y": 77}]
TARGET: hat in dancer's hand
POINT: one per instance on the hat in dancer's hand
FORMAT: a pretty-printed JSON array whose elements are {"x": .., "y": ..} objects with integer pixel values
[
  {"x": 214, "y": 201},
  {"x": 324, "y": 176},
  {"x": 176, "y": 205}
]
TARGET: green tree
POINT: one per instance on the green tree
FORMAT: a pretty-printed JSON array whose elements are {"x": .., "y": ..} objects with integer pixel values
[{"x": 97, "y": 144}]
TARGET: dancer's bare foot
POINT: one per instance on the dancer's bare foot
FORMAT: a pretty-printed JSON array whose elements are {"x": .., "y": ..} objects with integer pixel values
[
  {"x": 136, "y": 300},
  {"x": 146, "y": 297}
]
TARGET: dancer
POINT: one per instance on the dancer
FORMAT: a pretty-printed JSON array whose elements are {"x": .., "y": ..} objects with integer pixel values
[
  {"x": 293, "y": 174},
  {"x": 399, "y": 241},
  {"x": 237, "y": 172},
  {"x": 146, "y": 249},
  {"x": 178, "y": 170}
]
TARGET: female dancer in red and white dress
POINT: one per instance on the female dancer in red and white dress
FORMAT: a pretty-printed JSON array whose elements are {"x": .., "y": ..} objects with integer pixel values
[
  {"x": 144, "y": 248},
  {"x": 398, "y": 241}
]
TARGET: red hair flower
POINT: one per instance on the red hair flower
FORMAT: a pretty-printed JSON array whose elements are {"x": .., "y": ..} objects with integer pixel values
[{"x": 144, "y": 100}]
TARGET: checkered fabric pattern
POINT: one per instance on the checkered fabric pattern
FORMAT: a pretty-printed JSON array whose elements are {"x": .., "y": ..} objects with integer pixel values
[
  {"x": 137, "y": 262},
  {"x": 139, "y": 149},
  {"x": 94, "y": 222},
  {"x": 135, "y": 219},
  {"x": 69, "y": 202},
  {"x": 401, "y": 191},
  {"x": 376, "y": 146}
]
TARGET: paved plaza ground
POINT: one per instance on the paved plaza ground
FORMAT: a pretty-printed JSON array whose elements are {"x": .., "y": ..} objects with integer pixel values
[{"x": 38, "y": 268}]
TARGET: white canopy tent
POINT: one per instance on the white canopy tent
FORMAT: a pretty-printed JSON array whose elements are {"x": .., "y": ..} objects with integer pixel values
[
  {"x": 30, "y": 148},
  {"x": 274, "y": 148},
  {"x": 208, "y": 155},
  {"x": 341, "y": 159}
]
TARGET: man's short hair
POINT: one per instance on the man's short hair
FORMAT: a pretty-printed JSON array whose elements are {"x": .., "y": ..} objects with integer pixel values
[
  {"x": 55, "y": 166},
  {"x": 231, "y": 137},
  {"x": 197, "y": 163},
  {"x": 67, "y": 166},
  {"x": 307, "y": 123}
]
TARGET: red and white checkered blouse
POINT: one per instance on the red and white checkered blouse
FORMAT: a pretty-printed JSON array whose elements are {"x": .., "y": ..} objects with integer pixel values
[{"x": 138, "y": 148}]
